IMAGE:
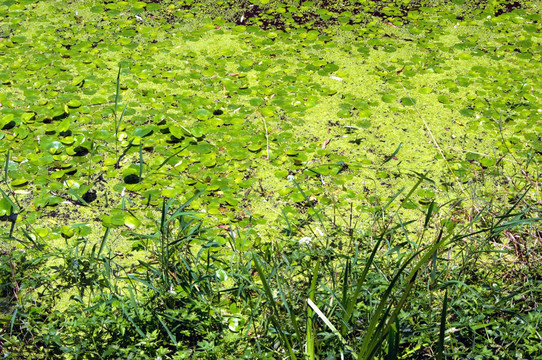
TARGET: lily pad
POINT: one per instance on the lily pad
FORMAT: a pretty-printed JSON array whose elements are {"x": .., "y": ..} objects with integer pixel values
[
  {"x": 74, "y": 104},
  {"x": 444, "y": 99},
  {"x": 143, "y": 131},
  {"x": 254, "y": 148},
  {"x": 408, "y": 101},
  {"x": 203, "y": 114},
  {"x": 389, "y": 98},
  {"x": 19, "y": 182},
  {"x": 425, "y": 90}
]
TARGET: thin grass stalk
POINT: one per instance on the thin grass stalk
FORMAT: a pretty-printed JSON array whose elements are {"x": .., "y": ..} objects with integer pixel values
[
  {"x": 382, "y": 211},
  {"x": 377, "y": 317},
  {"x": 311, "y": 330},
  {"x": 138, "y": 329},
  {"x": 163, "y": 244},
  {"x": 171, "y": 156},
  {"x": 104, "y": 239},
  {"x": 170, "y": 334},
  {"x": 346, "y": 276},
  {"x": 442, "y": 332},
  {"x": 392, "y": 155},
  {"x": 333, "y": 329},
  {"x": 274, "y": 312},
  {"x": 118, "y": 89},
  {"x": 353, "y": 299},
  {"x": 6, "y": 167},
  {"x": 91, "y": 155},
  {"x": 141, "y": 160},
  {"x": 394, "y": 337},
  {"x": 291, "y": 314},
  {"x": 384, "y": 327}
]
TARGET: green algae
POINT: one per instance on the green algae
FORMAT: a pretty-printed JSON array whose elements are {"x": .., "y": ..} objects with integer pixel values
[{"x": 360, "y": 95}]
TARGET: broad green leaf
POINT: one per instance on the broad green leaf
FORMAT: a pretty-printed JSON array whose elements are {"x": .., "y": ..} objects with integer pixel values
[
  {"x": 425, "y": 90},
  {"x": 443, "y": 99}
]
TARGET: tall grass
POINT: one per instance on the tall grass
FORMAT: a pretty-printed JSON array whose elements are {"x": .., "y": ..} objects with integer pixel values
[{"x": 298, "y": 300}]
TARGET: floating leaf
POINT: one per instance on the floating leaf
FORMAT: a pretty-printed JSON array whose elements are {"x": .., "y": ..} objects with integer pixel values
[
  {"x": 6, "y": 120},
  {"x": 131, "y": 221},
  {"x": 28, "y": 117},
  {"x": 178, "y": 132},
  {"x": 344, "y": 113},
  {"x": 364, "y": 124},
  {"x": 425, "y": 90},
  {"x": 487, "y": 162},
  {"x": 55, "y": 147},
  {"x": 388, "y": 98},
  {"x": 256, "y": 102},
  {"x": 78, "y": 81},
  {"x": 19, "y": 182},
  {"x": 197, "y": 132},
  {"x": 254, "y": 148},
  {"x": 74, "y": 103},
  {"x": 408, "y": 101},
  {"x": 67, "y": 231},
  {"x": 331, "y": 67},
  {"x": 443, "y": 99},
  {"x": 203, "y": 114},
  {"x": 143, "y": 131}
]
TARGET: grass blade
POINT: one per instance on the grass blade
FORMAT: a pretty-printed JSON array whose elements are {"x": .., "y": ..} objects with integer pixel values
[
  {"x": 311, "y": 331},
  {"x": 392, "y": 155},
  {"x": 379, "y": 316},
  {"x": 430, "y": 211},
  {"x": 333, "y": 329},
  {"x": 6, "y": 167},
  {"x": 170, "y": 157},
  {"x": 13, "y": 317},
  {"x": 354, "y": 298},
  {"x": 393, "y": 341},
  {"x": 171, "y": 336},
  {"x": 141, "y": 160},
  {"x": 287, "y": 222},
  {"x": 104, "y": 239},
  {"x": 147, "y": 284},
  {"x": 119, "y": 122},
  {"x": 291, "y": 314},
  {"x": 118, "y": 90},
  {"x": 382, "y": 330},
  {"x": 440, "y": 346},
  {"x": 76, "y": 195},
  {"x": 271, "y": 299},
  {"x": 14, "y": 207},
  {"x": 131, "y": 320}
]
